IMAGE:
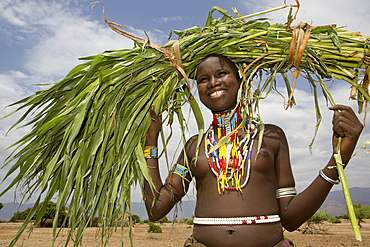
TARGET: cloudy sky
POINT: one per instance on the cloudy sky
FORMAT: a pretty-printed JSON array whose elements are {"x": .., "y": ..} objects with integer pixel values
[{"x": 41, "y": 40}]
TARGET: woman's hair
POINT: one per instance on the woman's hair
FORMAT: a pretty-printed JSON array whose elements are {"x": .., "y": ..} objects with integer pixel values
[{"x": 223, "y": 60}]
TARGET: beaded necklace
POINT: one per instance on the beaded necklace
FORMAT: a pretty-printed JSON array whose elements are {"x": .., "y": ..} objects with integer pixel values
[{"x": 228, "y": 160}]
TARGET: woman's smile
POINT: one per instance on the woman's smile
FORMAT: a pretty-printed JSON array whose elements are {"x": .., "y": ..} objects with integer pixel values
[{"x": 217, "y": 93}]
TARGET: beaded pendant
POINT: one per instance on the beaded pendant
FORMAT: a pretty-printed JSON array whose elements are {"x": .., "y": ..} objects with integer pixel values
[{"x": 229, "y": 160}]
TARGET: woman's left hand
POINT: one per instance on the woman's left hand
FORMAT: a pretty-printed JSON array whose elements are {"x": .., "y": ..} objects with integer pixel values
[{"x": 347, "y": 126}]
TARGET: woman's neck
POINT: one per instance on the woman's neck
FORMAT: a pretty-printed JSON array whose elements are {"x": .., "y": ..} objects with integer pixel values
[{"x": 227, "y": 121}]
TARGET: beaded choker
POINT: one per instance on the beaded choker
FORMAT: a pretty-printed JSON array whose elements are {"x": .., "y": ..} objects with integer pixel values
[{"x": 229, "y": 159}]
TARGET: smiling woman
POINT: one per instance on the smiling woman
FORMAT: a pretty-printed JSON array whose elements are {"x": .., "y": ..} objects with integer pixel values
[
  {"x": 87, "y": 142},
  {"x": 218, "y": 83}
]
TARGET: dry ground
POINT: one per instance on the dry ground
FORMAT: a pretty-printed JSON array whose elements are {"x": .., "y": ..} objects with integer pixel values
[{"x": 338, "y": 235}]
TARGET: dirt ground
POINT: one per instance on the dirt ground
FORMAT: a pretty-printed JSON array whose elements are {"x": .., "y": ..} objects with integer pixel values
[{"x": 337, "y": 235}]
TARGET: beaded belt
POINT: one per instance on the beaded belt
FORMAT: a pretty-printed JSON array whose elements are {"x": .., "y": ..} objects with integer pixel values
[{"x": 237, "y": 220}]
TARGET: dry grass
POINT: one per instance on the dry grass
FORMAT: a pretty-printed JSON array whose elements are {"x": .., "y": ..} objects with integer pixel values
[{"x": 337, "y": 235}]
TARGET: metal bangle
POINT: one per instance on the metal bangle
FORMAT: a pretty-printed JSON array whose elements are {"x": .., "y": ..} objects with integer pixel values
[
  {"x": 285, "y": 192},
  {"x": 326, "y": 178}
]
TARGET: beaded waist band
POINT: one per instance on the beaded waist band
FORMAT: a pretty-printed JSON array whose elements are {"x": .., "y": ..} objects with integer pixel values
[{"x": 237, "y": 220}]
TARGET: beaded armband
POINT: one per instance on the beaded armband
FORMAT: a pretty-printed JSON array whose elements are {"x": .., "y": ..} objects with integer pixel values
[
  {"x": 285, "y": 192},
  {"x": 181, "y": 170},
  {"x": 150, "y": 152},
  {"x": 173, "y": 192}
]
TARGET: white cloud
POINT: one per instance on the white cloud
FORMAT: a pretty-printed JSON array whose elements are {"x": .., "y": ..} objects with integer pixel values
[
  {"x": 169, "y": 19},
  {"x": 353, "y": 14}
]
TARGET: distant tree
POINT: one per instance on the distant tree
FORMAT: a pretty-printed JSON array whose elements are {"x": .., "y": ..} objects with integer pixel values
[
  {"x": 50, "y": 211},
  {"x": 361, "y": 212},
  {"x": 21, "y": 215},
  {"x": 48, "y": 214}
]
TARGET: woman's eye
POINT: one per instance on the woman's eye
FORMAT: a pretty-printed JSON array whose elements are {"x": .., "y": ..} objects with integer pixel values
[
  {"x": 222, "y": 73},
  {"x": 203, "y": 80}
]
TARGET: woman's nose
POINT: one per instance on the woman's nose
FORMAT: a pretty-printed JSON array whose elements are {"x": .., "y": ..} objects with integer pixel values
[{"x": 213, "y": 82}]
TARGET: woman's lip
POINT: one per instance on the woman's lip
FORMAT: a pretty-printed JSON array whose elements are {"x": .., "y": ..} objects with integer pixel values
[{"x": 217, "y": 93}]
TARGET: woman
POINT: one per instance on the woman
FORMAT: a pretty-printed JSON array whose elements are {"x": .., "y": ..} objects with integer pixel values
[{"x": 243, "y": 198}]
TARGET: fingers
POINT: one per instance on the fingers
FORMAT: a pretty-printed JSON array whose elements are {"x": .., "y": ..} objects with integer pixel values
[
  {"x": 154, "y": 128},
  {"x": 153, "y": 115},
  {"x": 345, "y": 122}
]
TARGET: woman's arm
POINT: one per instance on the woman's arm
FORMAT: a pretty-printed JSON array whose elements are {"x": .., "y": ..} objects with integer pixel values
[
  {"x": 160, "y": 199},
  {"x": 294, "y": 211}
]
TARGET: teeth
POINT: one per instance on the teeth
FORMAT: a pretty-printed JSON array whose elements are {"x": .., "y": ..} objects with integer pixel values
[{"x": 217, "y": 93}]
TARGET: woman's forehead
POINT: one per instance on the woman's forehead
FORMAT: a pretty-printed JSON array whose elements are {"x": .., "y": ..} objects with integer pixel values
[
  {"x": 217, "y": 60},
  {"x": 213, "y": 61}
]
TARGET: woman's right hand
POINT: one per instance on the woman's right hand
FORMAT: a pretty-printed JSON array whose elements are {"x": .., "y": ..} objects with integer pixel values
[{"x": 154, "y": 129}]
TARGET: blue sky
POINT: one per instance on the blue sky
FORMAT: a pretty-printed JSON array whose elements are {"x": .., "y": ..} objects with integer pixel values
[{"x": 41, "y": 40}]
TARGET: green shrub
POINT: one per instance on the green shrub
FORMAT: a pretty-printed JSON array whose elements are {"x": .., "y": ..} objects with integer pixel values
[
  {"x": 135, "y": 218},
  {"x": 163, "y": 220},
  {"x": 321, "y": 216},
  {"x": 315, "y": 225},
  {"x": 189, "y": 222},
  {"x": 183, "y": 220},
  {"x": 335, "y": 220},
  {"x": 154, "y": 228}
]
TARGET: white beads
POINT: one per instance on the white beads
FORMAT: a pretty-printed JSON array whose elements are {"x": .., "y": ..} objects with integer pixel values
[{"x": 237, "y": 220}]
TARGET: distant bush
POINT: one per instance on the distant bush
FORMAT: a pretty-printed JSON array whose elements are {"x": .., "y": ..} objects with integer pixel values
[
  {"x": 183, "y": 220},
  {"x": 135, "y": 218},
  {"x": 154, "y": 228},
  {"x": 163, "y": 220},
  {"x": 335, "y": 220},
  {"x": 315, "y": 225},
  {"x": 189, "y": 222},
  {"x": 319, "y": 217}
]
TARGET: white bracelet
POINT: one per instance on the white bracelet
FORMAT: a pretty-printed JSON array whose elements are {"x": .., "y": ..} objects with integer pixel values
[{"x": 326, "y": 178}]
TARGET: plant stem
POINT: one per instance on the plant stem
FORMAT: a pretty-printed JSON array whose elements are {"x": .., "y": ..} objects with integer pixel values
[
  {"x": 347, "y": 196},
  {"x": 342, "y": 177},
  {"x": 262, "y": 12}
]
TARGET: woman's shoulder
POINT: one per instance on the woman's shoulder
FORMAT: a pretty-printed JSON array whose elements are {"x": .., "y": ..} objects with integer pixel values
[
  {"x": 192, "y": 142},
  {"x": 274, "y": 133},
  {"x": 272, "y": 129}
]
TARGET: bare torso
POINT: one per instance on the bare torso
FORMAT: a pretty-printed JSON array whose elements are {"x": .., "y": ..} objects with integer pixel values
[{"x": 258, "y": 198}]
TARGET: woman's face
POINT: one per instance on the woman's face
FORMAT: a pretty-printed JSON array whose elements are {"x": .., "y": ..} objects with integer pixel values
[{"x": 218, "y": 84}]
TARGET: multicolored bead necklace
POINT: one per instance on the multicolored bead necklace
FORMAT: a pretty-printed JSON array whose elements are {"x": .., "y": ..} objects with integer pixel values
[{"x": 228, "y": 160}]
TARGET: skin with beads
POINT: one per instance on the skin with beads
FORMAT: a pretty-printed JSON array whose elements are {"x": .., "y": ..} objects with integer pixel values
[{"x": 218, "y": 83}]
